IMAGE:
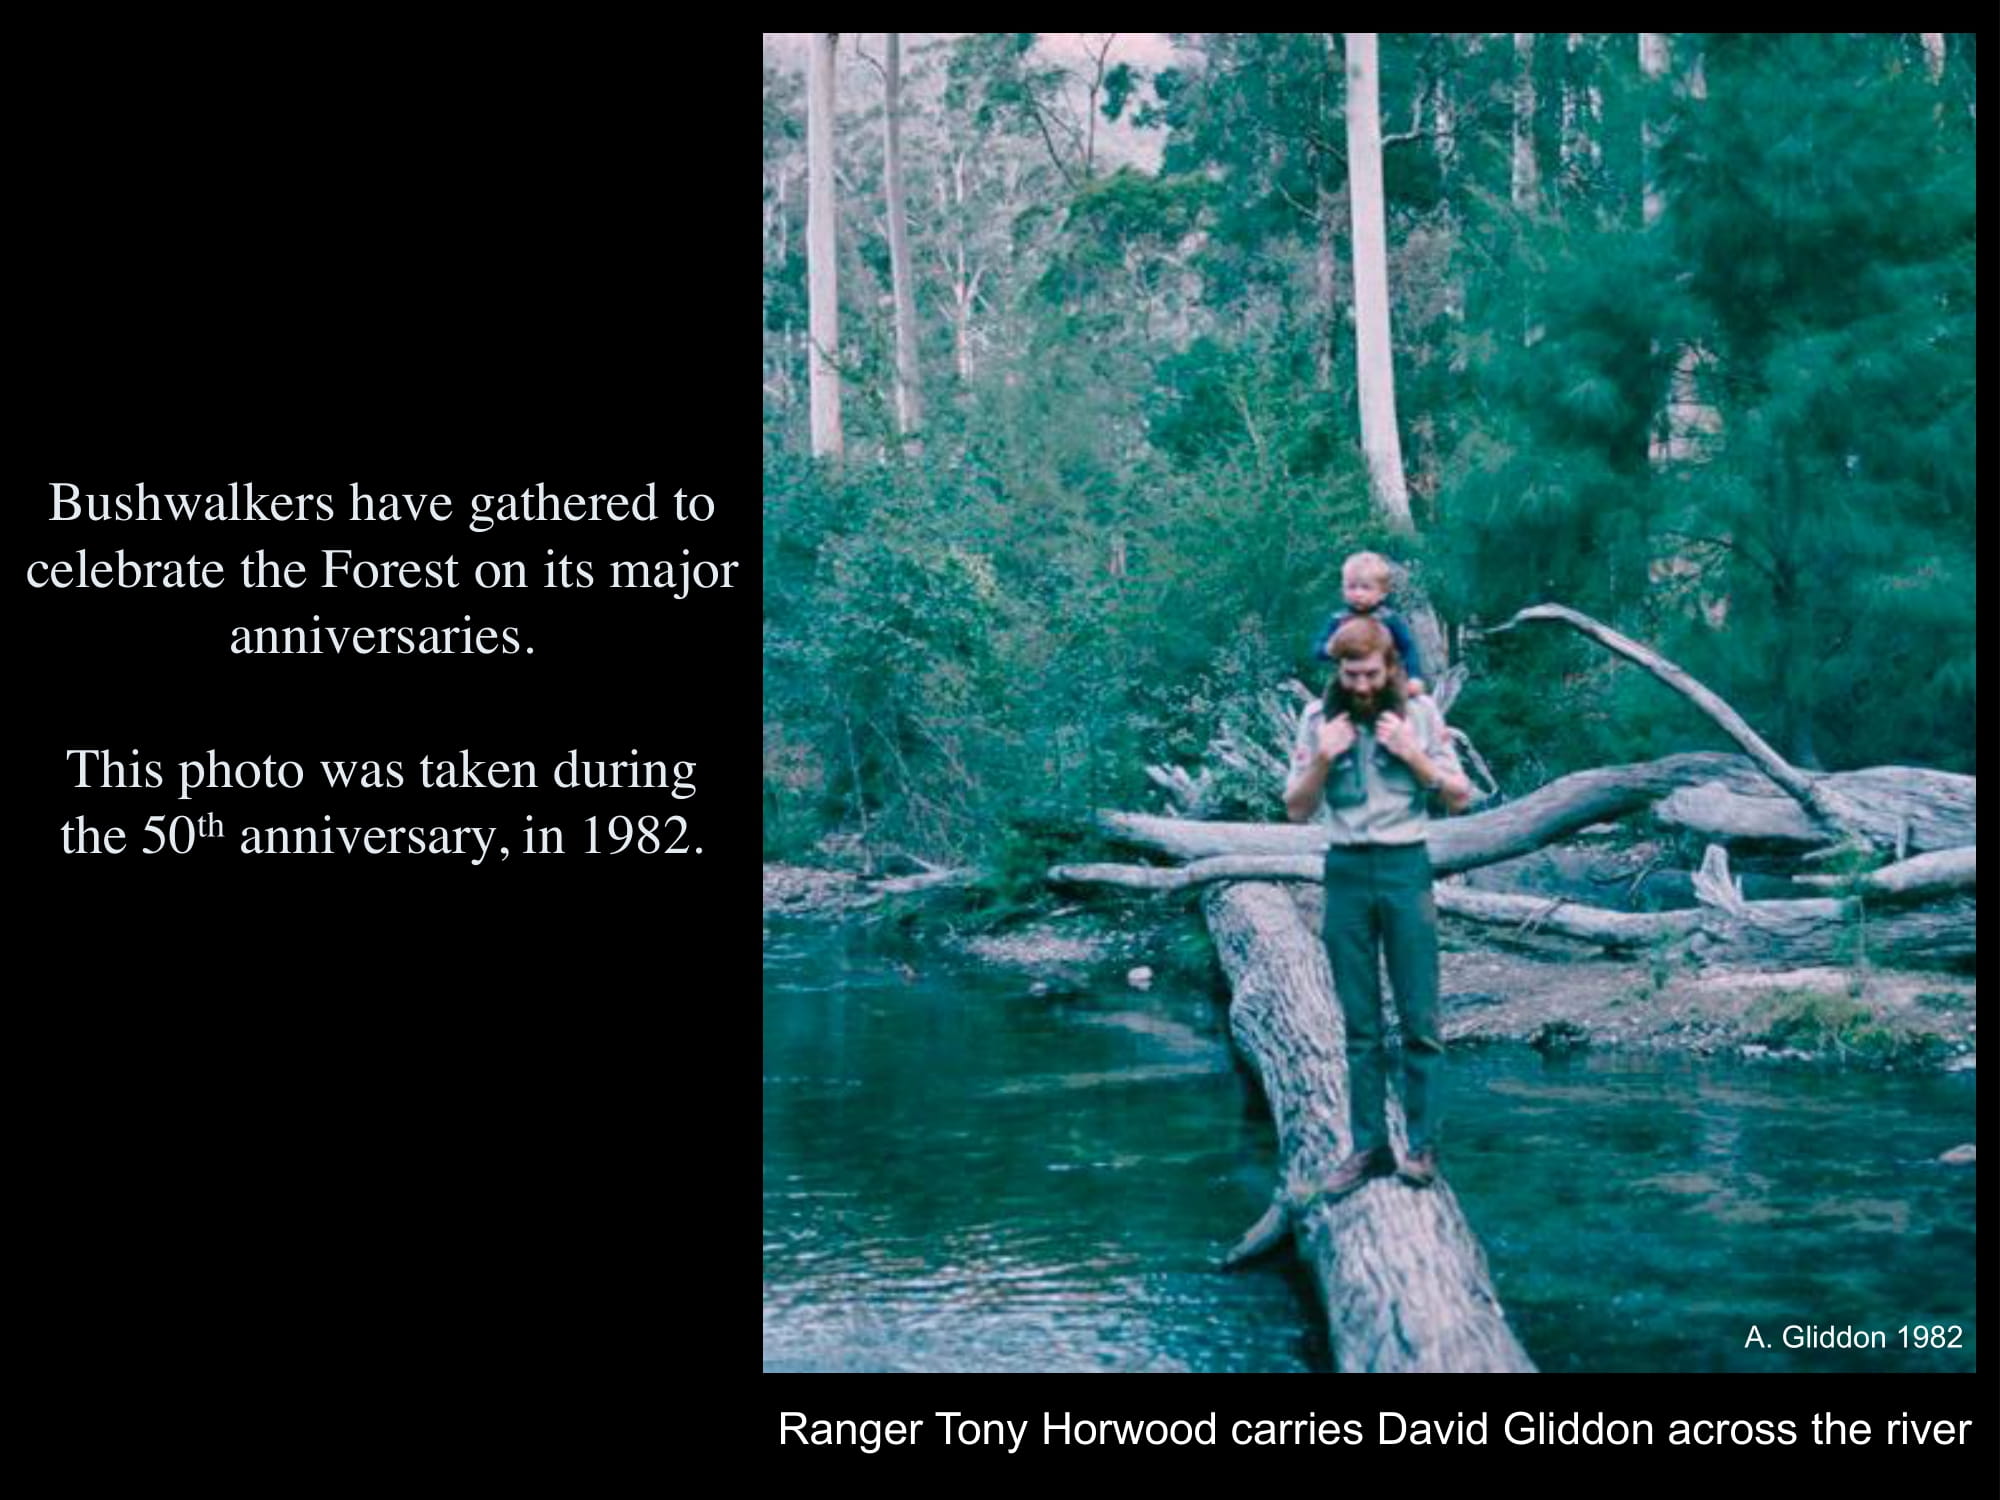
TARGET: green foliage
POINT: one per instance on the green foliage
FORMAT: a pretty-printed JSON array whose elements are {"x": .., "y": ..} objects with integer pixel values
[
  {"x": 1015, "y": 875},
  {"x": 1944, "y": 1000},
  {"x": 1119, "y": 84},
  {"x": 1806, "y": 1018},
  {"x": 1830, "y": 250},
  {"x": 1140, "y": 470},
  {"x": 1189, "y": 954},
  {"x": 883, "y": 637},
  {"x": 1819, "y": 1021}
]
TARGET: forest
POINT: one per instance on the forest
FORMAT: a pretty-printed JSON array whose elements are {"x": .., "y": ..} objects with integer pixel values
[{"x": 1111, "y": 362}]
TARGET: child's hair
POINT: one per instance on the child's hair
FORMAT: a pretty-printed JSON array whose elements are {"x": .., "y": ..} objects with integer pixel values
[{"x": 1371, "y": 566}]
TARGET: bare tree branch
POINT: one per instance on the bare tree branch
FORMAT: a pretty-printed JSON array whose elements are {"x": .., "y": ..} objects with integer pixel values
[{"x": 1824, "y": 806}]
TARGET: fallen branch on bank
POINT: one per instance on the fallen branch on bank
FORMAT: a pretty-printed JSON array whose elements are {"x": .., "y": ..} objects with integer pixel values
[{"x": 1825, "y": 802}]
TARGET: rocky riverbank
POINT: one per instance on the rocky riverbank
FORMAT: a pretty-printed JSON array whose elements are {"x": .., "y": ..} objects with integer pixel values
[{"x": 1547, "y": 993}]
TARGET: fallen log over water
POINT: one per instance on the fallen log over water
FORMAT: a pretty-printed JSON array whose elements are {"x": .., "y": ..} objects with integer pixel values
[{"x": 1403, "y": 1280}]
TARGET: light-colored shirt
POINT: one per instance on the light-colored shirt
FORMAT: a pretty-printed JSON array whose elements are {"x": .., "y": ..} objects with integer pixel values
[{"x": 1370, "y": 796}]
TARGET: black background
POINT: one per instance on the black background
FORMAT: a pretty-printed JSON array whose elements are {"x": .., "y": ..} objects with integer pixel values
[
  {"x": 345, "y": 1150},
  {"x": 413, "y": 1084}
]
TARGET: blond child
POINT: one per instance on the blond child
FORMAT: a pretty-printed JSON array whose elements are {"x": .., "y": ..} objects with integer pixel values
[{"x": 1365, "y": 579}]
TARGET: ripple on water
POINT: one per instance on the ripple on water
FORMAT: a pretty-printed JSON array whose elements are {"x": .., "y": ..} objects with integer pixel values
[{"x": 957, "y": 1179}]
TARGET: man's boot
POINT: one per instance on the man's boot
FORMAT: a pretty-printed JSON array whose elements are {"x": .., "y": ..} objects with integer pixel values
[{"x": 1351, "y": 1173}]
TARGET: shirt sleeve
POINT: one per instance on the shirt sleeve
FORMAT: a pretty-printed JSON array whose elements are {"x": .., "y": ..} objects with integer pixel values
[
  {"x": 1306, "y": 741},
  {"x": 1436, "y": 738},
  {"x": 1406, "y": 645},
  {"x": 1325, "y": 637}
]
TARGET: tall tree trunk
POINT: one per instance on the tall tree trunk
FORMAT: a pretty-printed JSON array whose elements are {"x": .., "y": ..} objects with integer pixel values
[
  {"x": 1653, "y": 69},
  {"x": 823, "y": 281},
  {"x": 958, "y": 266},
  {"x": 1694, "y": 424},
  {"x": 1526, "y": 179},
  {"x": 1374, "y": 351},
  {"x": 1934, "y": 54},
  {"x": 1568, "y": 134},
  {"x": 909, "y": 392},
  {"x": 961, "y": 329},
  {"x": 1653, "y": 65},
  {"x": 1375, "y": 367}
]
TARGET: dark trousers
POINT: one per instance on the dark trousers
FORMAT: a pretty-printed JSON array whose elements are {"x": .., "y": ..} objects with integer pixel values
[{"x": 1379, "y": 908}]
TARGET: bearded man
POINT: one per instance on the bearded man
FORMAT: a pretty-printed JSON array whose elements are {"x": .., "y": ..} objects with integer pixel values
[{"x": 1367, "y": 760}]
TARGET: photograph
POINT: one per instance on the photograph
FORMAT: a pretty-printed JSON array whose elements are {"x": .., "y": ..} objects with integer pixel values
[{"x": 1369, "y": 703}]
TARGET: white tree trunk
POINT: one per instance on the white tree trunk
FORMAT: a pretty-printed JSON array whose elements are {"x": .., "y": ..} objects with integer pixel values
[
  {"x": 1653, "y": 64},
  {"x": 1525, "y": 176},
  {"x": 1934, "y": 54},
  {"x": 964, "y": 281},
  {"x": 1569, "y": 134},
  {"x": 1694, "y": 424},
  {"x": 909, "y": 393},
  {"x": 1374, "y": 360},
  {"x": 823, "y": 282}
]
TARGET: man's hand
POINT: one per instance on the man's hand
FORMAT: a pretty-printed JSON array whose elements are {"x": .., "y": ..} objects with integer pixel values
[
  {"x": 1336, "y": 738},
  {"x": 1393, "y": 733}
]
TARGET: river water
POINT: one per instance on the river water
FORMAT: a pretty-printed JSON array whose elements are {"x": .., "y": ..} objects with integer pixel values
[{"x": 961, "y": 1176}]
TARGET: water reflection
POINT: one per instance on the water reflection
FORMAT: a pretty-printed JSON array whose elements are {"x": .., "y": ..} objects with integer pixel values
[
  {"x": 1682, "y": 1201},
  {"x": 960, "y": 1176}
]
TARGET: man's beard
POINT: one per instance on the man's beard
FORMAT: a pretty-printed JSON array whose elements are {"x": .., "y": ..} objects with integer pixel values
[{"x": 1388, "y": 698}]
